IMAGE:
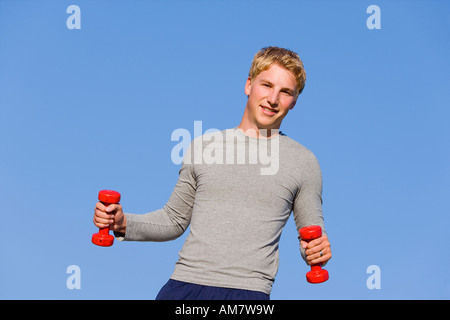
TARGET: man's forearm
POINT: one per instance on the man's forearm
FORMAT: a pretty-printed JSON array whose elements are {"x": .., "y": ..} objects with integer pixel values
[{"x": 153, "y": 226}]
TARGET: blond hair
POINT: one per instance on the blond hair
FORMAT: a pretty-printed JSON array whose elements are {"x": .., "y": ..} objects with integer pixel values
[{"x": 288, "y": 59}]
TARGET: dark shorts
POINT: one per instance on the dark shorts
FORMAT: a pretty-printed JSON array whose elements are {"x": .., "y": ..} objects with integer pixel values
[{"x": 179, "y": 290}]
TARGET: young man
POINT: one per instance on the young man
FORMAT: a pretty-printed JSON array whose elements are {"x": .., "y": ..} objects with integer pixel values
[{"x": 235, "y": 197}]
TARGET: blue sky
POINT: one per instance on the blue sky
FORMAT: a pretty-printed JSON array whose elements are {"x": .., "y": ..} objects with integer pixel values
[{"x": 94, "y": 108}]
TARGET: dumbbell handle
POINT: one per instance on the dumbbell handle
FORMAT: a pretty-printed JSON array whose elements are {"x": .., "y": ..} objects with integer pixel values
[{"x": 104, "y": 231}]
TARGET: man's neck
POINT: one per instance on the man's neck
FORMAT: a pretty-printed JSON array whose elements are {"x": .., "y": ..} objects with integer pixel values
[{"x": 255, "y": 132}]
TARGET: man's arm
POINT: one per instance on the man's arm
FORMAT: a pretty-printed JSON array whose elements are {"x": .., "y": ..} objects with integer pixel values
[
  {"x": 172, "y": 220},
  {"x": 308, "y": 211},
  {"x": 164, "y": 224}
]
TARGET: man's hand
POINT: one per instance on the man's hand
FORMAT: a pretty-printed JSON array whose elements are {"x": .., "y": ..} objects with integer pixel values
[
  {"x": 314, "y": 248},
  {"x": 111, "y": 216}
]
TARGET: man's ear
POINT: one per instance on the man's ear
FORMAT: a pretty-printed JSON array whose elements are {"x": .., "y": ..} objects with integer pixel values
[{"x": 248, "y": 86}]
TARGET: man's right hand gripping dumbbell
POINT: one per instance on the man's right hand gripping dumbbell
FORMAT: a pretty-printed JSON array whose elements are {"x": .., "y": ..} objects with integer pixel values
[{"x": 110, "y": 216}]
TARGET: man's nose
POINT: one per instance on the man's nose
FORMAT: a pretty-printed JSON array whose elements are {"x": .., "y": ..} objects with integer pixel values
[{"x": 272, "y": 98}]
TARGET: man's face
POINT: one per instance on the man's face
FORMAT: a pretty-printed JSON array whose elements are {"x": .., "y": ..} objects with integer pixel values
[{"x": 271, "y": 95}]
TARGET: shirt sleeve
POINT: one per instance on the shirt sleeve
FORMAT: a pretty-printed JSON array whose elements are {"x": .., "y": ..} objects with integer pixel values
[
  {"x": 308, "y": 200},
  {"x": 169, "y": 222}
]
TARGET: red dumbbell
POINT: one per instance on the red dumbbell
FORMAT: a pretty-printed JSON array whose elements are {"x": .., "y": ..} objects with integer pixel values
[
  {"x": 317, "y": 274},
  {"x": 103, "y": 238}
]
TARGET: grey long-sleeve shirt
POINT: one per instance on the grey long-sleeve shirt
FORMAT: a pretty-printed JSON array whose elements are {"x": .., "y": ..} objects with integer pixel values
[{"x": 236, "y": 193}]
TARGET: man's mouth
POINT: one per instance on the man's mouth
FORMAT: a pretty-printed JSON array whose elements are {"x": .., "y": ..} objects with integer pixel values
[{"x": 268, "y": 111}]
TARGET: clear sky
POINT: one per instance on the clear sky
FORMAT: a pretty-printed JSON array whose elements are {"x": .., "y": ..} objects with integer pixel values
[{"x": 94, "y": 108}]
